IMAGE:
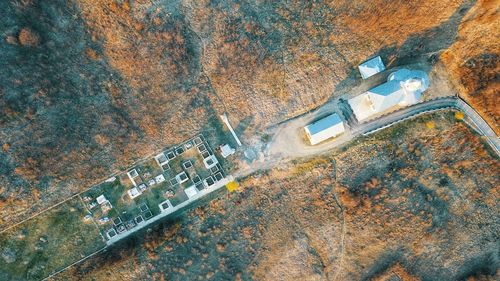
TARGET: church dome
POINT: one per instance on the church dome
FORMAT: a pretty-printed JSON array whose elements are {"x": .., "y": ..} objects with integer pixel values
[{"x": 412, "y": 84}]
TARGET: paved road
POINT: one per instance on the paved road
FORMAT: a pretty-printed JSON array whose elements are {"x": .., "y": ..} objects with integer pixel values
[
  {"x": 471, "y": 117},
  {"x": 481, "y": 126},
  {"x": 289, "y": 140}
]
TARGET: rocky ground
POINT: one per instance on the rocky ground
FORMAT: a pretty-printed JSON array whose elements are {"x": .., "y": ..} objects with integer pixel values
[{"x": 406, "y": 202}]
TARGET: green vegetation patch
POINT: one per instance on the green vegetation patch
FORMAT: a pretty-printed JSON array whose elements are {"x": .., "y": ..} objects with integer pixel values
[
  {"x": 115, "y": 211},
  {"x": 48, "y": 242}
]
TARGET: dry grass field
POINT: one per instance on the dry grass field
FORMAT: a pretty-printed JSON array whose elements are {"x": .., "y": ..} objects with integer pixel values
[
  {"x": 406, "y": 201},
  {"x": 88, "y": 87},
  {"x": 91, "y": 86}
]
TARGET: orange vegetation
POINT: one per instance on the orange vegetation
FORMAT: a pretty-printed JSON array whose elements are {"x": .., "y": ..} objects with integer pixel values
[
  {"x": 313, "y": 54},
  {"x": 155, "y": 62},
  {"x": 28, "y": 37},
  {"x": 394, "y": 272},
  {"x": 473, "y": 61}
]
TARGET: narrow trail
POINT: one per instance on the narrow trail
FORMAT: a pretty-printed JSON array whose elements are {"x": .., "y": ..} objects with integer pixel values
[
  {"x": 344, "y": 228},
  {"x": 342, "y": 238}
]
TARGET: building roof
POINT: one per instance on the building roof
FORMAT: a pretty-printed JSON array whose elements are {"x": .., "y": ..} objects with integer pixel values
[
  {"x": 325, "y": 128},
  {"x": 134, "y": 192},
  {"x": 165, "y": 205},
  {"x": 226, "y": 150},
  {"x": 132, "y": 173},
  {"x": 385, "y": 95},
  {"x": 181, "y": 177},
  {"x": 371, "y": 67},
  {"x": 210, "y": 161},
  {"x": 159, "y": 178},
  {"x": 161, "y": 159},
  {"x": 403, "y": 87},
  {"x": 101, "y": 199}
]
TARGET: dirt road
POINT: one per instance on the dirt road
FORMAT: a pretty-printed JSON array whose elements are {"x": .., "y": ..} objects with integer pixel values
[{"x": 288, "y": 142}]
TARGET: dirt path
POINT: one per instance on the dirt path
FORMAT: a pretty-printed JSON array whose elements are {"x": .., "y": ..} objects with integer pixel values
[{"x": 287, "y": 143}]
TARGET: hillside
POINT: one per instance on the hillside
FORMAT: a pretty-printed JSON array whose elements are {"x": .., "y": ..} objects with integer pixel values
[
  {"x": 88, "y": 87},
  {"x": 407, "y": 202},
  {"x": 473, "y": 60}
]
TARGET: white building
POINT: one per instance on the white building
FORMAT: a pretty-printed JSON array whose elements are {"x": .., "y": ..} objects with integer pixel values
[
  {"x": 181, "y": 177},
  {"x": 210, "y": 161},
  {"x": 165, "y": 205},
  {"x": 132, "y": 174},
  {"x": 226, "y": 150},
  {"x": 101, "y": 199},
  {"x": 160, "y": 178},
  {"x": 403, "y": 88},
  {"x": 134, "y": 192},
  {"x": 371, "y": 67},
  {"x": 161, "y": 159},
  {"x": 323, "y": 129}
]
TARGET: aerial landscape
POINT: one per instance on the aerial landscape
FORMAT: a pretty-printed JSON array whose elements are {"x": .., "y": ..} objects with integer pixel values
[{"x": 249, "y": 140}]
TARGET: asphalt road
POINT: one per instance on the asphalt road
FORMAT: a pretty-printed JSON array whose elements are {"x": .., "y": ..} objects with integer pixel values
[{"x": 471, "y": 117}]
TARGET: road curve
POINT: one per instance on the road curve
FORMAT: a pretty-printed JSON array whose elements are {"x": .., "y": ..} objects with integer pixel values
[
  {"x": 288, "y": 141},
  {"x": 471, "y": 117}
]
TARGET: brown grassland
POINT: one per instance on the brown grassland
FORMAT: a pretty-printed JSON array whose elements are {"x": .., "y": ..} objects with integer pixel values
[{"x": 406, "y": 201}]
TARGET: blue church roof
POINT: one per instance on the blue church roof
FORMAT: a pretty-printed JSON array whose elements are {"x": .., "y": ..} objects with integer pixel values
[{"x": 386, "y": 88}]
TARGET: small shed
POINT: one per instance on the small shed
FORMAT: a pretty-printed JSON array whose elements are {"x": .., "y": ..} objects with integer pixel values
[
  {"x": 210, "y": 161},
  {"x": 134, "y": 192},
  {"x": 161, "y": 159},
  {"x": 181, "y": 177},
  {"x": 323, "y": 129},
  {"x": 159, "y": 178},
  {"x": 371, "y": 67},
  {"x": 226, "y": 150},
  {"x": 165, "y": 205}
]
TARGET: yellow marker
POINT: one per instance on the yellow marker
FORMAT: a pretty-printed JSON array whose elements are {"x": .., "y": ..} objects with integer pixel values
[
  {"x": 459, "y": 115},
  {"x": 232, "y": 186}
]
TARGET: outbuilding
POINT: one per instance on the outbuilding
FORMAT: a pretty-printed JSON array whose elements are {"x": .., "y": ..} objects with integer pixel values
[
  {"x": 226, "y": 150},
  {"x": 191, "y": 191},
  {"x": 325, "y": 128},
  {"x": 371, "y": 67},
  {"x": 134, "y": 192}
]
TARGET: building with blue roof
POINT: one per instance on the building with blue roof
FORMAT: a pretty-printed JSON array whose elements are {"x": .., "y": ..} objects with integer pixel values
[
  {"x": 325, "y": 128},
  {"x": 404, "y": 87},
  {"x": 371, "y": 67}
]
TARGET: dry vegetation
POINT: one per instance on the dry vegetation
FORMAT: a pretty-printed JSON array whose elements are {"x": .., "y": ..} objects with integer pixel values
[
  {"x": 87, "y": 87},
  {"x": 473, "y": 60},
  {"x": 157, "y": 54},
  {"x": 28, "y": 37},
  {"x": 413, "y": 207},
  {"x": 273, "y": 60}
]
